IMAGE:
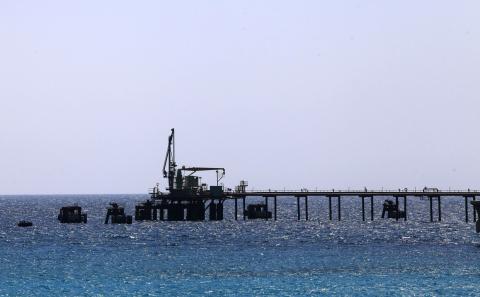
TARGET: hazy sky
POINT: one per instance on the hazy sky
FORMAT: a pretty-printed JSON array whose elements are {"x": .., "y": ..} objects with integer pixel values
[{"x": 327, "y": 94}]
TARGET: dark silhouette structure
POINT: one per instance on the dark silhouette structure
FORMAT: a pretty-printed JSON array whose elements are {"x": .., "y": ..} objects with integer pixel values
[
  {"x": 24, "y": 224},
  {"x": 187, "y": 198},
  {"x": 476, "y": 209},
  {"x": 392, "y": 210},
  {"x": 258, "y": 211},
  {"x": 116, "y": 215},
  {"x": 72, "y": 214}
]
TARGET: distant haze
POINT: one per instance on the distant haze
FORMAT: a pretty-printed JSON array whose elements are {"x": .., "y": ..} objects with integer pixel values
[{"x": 294, "y": 94}]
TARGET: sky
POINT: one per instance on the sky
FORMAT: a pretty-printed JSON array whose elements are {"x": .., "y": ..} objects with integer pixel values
[{"x": 283, "y": 94}]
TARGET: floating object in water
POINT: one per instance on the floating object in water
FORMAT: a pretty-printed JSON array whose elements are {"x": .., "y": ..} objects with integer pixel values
[
  {"x": 258, "y": 211},
  {"x": 392, "y": 210},
  {"x": 72, "y": 214},
  {"x": 24, "y": 224},
  {"x": 117, "y": 215}
]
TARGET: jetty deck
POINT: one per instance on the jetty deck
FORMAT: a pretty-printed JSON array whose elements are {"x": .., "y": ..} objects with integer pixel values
[{"x": 429, "y": 194}]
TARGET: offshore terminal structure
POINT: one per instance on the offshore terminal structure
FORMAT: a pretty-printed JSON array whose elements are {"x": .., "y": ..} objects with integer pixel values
[{"x": 187, "y": 198}]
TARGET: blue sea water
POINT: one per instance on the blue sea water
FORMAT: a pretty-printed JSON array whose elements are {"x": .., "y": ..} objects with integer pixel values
[{"x": 236, "y": 258}]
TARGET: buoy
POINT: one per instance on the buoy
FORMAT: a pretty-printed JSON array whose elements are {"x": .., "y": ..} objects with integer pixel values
[{"x": 25, "y": 224}]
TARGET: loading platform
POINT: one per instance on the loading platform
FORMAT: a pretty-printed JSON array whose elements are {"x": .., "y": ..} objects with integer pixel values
[
  {"x": 187, "y": 198},
  {"x": 206, "y": 201}
]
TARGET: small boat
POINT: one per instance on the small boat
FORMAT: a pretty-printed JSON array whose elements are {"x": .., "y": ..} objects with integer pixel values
[{"x": 24, "y": 224}]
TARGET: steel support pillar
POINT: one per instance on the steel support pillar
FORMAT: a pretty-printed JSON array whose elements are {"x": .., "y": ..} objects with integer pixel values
[
  {"x": 306, "y": 208},
  {"x": 474, "y": 212},
  {"x": 339, "y": 205},
  {"x": 330, "y": 208},
  {"x": 396, "y": 205},
  {"x": 363, "y": 208},
  {"x": 243, "y": 202},
  {"x": 371, "y": 208},
  {"x": 266, "y": 208},
  {"x": 466, "y": 209},
  {"x": 275, "y": 208},
  {"x": 236, "y": 209},
  {"x": 161, "y": 213},
  {"x": 439, "y": 208},
  {"x": 298, "y": 208},
  {"x": 431, "y": 209}
]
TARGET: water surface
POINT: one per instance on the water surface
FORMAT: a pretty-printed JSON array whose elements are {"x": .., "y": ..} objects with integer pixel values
[{"x": 236, "y": 258}]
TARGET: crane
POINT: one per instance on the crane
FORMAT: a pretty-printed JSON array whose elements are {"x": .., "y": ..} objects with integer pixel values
[
  {"x": 170, "y": 172},
  {"x": 170, "y": 157}
]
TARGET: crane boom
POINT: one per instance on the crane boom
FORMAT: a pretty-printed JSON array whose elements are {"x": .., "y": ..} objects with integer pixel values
[
  {"x": 170, "y": 158},
  {"x": 195, "y": 169}
]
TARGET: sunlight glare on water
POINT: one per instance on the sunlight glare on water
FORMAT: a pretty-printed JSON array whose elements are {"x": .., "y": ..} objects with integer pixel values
[{"x": 241, "y": 258}]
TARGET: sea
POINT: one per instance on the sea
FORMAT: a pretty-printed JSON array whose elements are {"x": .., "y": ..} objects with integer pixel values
[{"x": 287, "y": 257}]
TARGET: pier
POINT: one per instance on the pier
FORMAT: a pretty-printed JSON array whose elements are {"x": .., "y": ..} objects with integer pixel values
[
  {"x": 367, "y": 200},
  {"x": 189, "y": 199},
  {"x": 434, "y": 197}
]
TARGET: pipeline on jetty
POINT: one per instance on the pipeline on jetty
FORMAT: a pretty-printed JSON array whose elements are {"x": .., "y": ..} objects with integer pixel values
[{"x": 187, "y": 198}]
